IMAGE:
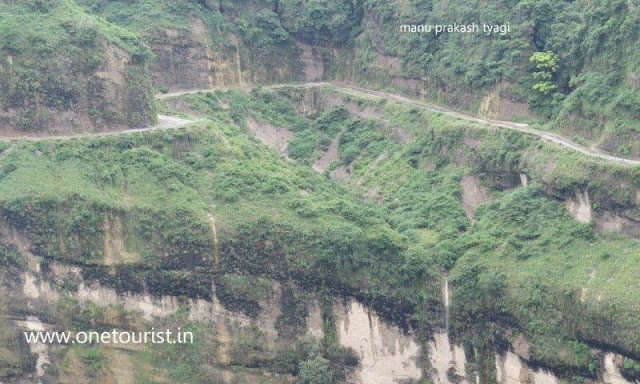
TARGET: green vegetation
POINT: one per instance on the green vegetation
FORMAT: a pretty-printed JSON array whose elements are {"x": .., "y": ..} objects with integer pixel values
[
  {"x": 524, "y": 262},
  {"x": 209, "y": 207},
  {"x": 594, "y": 87},
  {"x": 162, "y": 189},
  {"x": 546, "y": 65},
  {"x": 587, "y": 88},
  {"x": 250, "y": 31}
]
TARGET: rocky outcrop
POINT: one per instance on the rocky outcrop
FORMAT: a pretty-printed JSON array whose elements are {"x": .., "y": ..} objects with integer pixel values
[
  {"x": 449, "y": 365},
  {"x": 626, "y": 221},
  {"x": 611, "y": 219},
  {"x": 35, "y": 297},
  {"x": 387, "y": 355},
  {"x": 203, "y": 57},
  {"x": 313, "y": 67},
  {"x": 115, "y": 95},
  {"x": 186, "y": 59},
  {"x": 71, "y": 74},
  {"x": 447, "y": 361},
  {"x": 512, "y": 369}
]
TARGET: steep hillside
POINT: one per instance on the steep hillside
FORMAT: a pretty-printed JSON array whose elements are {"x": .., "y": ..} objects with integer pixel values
[
  {"x": 320, "y": 234},
  {"x": 590, "y": 86},
  {"x": 206, "y": 44},
  {"x": 269, "y": 262},
  {"x": 493, "y": 209},
  {"x": 63, "y": 71},
  {"x": 569, "y": 65},
  {"x": 202, "y": 228}
]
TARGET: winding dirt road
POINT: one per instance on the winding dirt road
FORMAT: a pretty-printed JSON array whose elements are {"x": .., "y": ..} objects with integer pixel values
[
  {"x": 170, "y": 122},
  {"x": 164, "y": 123},
  {"x": 520, "y": 127}
]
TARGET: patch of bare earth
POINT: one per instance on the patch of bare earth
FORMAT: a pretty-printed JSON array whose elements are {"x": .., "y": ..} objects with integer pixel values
[
  {"x": 471, "y": 142},
  {"x": 473, "y": 194},
  {"x": 368, "y": 112},
  {"x": 322, "y": 164},
  {"x": 272, "y": 136},
  {"x": 497, "y": 105},
  {"x": 579, "y": 206},
  {"x": 340, "y": 173}
]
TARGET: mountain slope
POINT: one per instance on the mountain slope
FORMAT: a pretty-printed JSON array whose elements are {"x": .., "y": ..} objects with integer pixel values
[
  {"x": 65, "y": 71},
  {"x": 587, "y": 50}
]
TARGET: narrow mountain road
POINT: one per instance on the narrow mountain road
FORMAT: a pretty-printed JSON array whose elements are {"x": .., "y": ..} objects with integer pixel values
[
  {"x": 170, "y": 122},
  {"x": 525, "y": 128},
  {"x": 164, "y": 123},
  {"x": 520, "y": 127}
]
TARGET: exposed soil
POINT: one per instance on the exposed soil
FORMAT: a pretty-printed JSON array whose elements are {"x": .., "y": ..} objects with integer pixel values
[
  {"x": 579, "y": 207},
  {"x": 322, "y": 164},
  {"x": 272, "y": 136},
  {"x": 114, "y": 244},
  {"x": 473, "y": 194}
]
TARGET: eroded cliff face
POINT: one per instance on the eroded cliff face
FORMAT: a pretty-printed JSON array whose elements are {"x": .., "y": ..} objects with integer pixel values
[
  {"x": 450, "y": 365},
  {"x": 116, "y": 94},
  {"x": 64, "y": 71},
  {"x": 37, "y": 291},
  {"x": 34, "y": 297},
  {"x": 618, "y": 219},
  {"x": 387, "y": 354},
  {"x": 202, "y": 57},
  {"x": 186, "y": 59}
]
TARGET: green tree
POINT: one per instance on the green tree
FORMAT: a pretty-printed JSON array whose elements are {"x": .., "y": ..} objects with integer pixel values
[
  {"x": 547, "y": 65},
  {"x": 316, "y": 371}
]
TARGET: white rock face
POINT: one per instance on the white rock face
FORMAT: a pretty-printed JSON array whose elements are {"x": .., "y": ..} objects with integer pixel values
[
  {"x": 579, "y": 207},
  {"x": 511, "y": 369},
  {"x": 449, "y": 360},
  {"x": 36, "y": 288},
  {"x": 612, "y": 373},
  {"x": 151, "y": 307},
  {"x": 34, "y": 324},
  {"x": 387, "y": 355},
  {"x": 445, "y": 358}
]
